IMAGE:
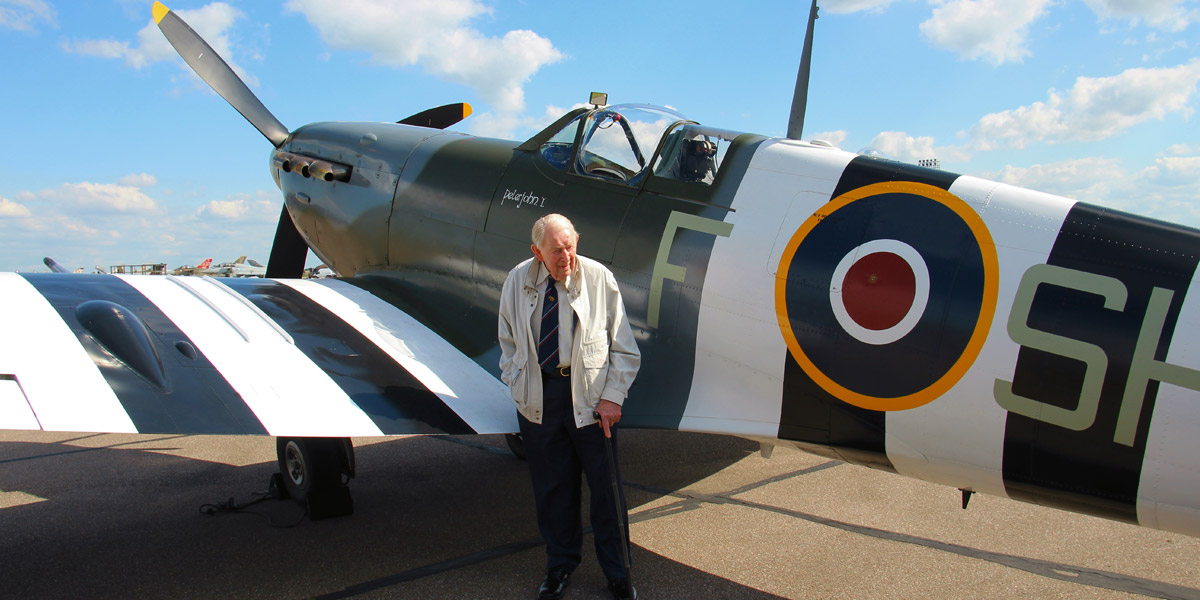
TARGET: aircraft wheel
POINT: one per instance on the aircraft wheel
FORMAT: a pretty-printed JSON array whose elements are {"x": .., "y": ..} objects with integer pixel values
[
  {"x": 307, "y": 465},
  {"x": 516, "y": 445}
]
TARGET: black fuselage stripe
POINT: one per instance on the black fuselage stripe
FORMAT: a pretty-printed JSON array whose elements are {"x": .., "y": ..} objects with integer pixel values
[
  {"x": 395, "y": 400},
  {"x": 810, "y": 413},
  {"x": 195, "y": 397},
  {"x": 1041, "y": 460}
]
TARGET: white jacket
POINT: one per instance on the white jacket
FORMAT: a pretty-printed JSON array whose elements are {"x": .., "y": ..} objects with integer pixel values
[{"x": 604, "y": 355}]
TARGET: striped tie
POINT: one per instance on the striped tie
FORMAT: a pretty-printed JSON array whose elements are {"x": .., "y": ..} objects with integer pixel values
[{"x": 548, "y": 345}]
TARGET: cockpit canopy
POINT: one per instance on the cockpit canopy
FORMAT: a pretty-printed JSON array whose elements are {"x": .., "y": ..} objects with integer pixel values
[{"x": 624, "y": 142}]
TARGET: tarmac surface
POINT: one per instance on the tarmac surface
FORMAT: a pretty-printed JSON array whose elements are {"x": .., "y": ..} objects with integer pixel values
[{"x": 117, "y": 516}]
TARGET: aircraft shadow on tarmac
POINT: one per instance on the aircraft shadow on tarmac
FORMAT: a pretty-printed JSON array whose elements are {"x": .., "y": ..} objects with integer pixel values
[{"x": 434, "y": 518}]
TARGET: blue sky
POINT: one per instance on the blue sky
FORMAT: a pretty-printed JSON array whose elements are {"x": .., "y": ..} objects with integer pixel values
[{"x": 114, "y": 153}]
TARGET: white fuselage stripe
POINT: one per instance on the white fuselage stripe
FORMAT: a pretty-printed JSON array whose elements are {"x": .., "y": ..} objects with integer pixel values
[
  {"x": 737, "y": 385},
  {"x": 15, "y": 412},
  {"x": 289, "y": 394},
  {"x": 66, "y": 390},
  {"x": 958, "y": 439},
  {"x": 1169, "y": 485},
  {"x": 475, "y": 395}
]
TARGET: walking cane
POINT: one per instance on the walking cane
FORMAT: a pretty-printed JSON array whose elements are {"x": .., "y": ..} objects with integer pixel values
[{"x": 616, "y": 486}]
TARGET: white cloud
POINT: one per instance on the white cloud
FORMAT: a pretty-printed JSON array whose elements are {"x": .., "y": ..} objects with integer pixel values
[
  {"x": 134, "y": 9},
  {"x": 24, "y": 15},
  {"x": 1107, "y": 105},
  {"x": 498, "y": 125},
  {"x": 992, "y": 30},
  {"x": 1086, "y": 179},
  {"x": 80, "y": 228},
  {"x": 10, "y": 209},
  {"x": 852, "y": 6},
  {"x": 515, "y": 126},
  {"x": 1176, "y": 171},
  {"x": 80, "y": 225},
  {"x": 436, "y": 36},
  {"x": 1169, "y": 15},
  {"x": 1017, "y": 127},
  {"x": 837, "y": 138},
  {"x": 903, "y": 147},
  {"x": 1094, "y": 109},
  {"x": 98, "y": 197},
  {"x": 100, "y": 48},
  {"x": 241, "y": 207},
  {"x": 139, "y": 180},
  {"x": 953, "y": 154},
  {"x": 75, "y": 215},
  {"x": 52, "y": 228},
  {"x": 1166, "y": 190},
  {"x": 224, "y": 209},
  {"x": 213, "y": 22},
  {"x": 1180, "y": 149}
]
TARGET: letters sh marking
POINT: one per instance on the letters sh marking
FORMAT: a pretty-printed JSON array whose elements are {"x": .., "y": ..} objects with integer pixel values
[{"x": 1142, "y": 368}]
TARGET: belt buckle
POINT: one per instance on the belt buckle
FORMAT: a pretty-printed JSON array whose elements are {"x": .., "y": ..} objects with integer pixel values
[{"x": 564, "y": 371}]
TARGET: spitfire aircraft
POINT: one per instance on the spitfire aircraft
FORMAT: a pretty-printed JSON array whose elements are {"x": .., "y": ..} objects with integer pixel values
[{"x": 943, "y": 327}]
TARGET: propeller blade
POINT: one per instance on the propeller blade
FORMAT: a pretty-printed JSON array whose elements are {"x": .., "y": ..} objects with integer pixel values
[
  {"x": 440, "y": 117},
  {"x": 800, "y": 96},
  {"x": 288, "y": 251},
  {"x": 217, "y": 74}
]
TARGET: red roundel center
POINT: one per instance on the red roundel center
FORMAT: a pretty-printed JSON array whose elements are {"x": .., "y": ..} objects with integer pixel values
[{"x": 879, "y": 290}]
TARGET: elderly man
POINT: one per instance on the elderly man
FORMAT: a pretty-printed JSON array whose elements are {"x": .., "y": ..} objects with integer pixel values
[{"x": 567, "y": 352}]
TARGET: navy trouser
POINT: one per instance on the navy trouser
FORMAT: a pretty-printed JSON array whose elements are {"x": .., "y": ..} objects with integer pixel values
[{"x": 557, "y": 453}]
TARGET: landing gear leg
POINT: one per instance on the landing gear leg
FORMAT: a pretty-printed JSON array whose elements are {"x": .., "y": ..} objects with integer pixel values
[{"x": 315, "y": 472}]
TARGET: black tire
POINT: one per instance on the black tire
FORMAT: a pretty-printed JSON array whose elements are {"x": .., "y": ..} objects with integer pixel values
[
  {"x": 516, "y": 445},
  {"x": 309, "y": 464},
  {"x": 349, "y": 464}
]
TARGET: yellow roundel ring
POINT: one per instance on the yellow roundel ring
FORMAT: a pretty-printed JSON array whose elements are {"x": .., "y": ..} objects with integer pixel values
[{"x": 987, "y": 308}]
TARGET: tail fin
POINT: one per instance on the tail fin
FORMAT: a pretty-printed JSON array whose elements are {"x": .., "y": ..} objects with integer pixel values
[{"x": 54, "y": 266}]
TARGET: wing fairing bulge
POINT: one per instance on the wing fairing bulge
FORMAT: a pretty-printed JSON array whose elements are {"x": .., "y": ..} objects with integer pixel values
[{"x": 229, "y": 356}]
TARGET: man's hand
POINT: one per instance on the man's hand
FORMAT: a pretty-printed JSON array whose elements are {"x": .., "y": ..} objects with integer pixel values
[{"x": 609, "y": 414}]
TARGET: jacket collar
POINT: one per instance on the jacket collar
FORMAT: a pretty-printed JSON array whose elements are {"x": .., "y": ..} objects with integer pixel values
[{"x": 536, "y": 274}]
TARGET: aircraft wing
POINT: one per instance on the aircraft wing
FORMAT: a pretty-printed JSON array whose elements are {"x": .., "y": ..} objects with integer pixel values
[{"x": 198, "y": 355}]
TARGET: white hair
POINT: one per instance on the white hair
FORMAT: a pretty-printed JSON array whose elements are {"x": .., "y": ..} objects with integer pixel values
[{"x": 539, "y": 227}]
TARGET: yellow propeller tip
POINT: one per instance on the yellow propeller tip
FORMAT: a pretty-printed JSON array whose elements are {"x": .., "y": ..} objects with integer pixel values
[
  {"x": 160, "y": 11},
  {"x": 466, "y": 110}
]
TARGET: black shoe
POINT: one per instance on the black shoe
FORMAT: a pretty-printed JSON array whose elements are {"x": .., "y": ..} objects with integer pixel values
[
  {"x": 554, "y": 585},
  {"x": 621, "y": 589}
]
